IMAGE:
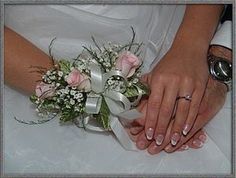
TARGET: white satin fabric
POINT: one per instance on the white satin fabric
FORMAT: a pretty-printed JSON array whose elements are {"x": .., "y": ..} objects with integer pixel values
[{"x": 51, "y": 148}]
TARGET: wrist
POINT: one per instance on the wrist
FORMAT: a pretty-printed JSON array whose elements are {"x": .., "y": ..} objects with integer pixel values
[
  {"x": 220, "y": 65},
  {"x": 197, "y": 29},
  {"x": 196, "y": 51},
  {"x": 190, "y": 45}
]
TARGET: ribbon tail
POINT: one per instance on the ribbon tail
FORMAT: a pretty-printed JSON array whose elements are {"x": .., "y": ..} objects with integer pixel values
[
  {"x": 130, "y": 114},
  {"x": 121, "y": 134},
  {"x": 87, "y": 123},
  {"x": 94, "y": 128}
]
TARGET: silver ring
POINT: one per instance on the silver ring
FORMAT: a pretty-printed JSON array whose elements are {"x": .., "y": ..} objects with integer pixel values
[{"x": 187, "y": 97}]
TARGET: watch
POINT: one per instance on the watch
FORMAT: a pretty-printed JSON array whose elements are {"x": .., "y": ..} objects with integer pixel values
[{"x": 220, "y": 69}]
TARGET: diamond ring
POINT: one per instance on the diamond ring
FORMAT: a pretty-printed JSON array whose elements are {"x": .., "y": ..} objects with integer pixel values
[{"x": 187, "y": 97}]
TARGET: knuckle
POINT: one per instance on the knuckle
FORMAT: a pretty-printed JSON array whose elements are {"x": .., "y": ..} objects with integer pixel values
[
  {"x": 188, "y": 80},
  {"x": 164, "y": 77},
  {"x": 158, "y": 78},
  {"x": 199, "y": 84},
  {"x": 173, "y": 77}
]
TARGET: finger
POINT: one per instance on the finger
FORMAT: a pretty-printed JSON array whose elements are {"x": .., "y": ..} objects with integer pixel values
[
  {"x": 200, "y": 136},
  {"x": 184, "y": 147},
  {"x": 140, "y": 121},
  {"x": 182, "y": 109},
  {"x": 136, "y": 130},
  {"x": 141, "y": 104},
  {"x": 154, "y": 148},
  {"x": 131, "y": 136},
  {"x": 138, "y": 125},
  {"x": 193, "y": 110},
  {"x": 203, "y": 136},
  {"x": 194, "y": 135},
  {"x": 208, "y": 109},
  {"x": 165, "y": 114},
  {"x": 197, "y": 143},
  {"x": 142, "y": 142},
  {"x": 144, "y": 78},
  {"x": 140, "y": 136},
  {"x": 183, "y": 139},
  {"x": 199, "y": 139},
  {"x": 152, "y": 112}
]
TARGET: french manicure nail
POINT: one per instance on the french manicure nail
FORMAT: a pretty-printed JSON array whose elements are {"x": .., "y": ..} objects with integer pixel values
[
  {"x": 203, "y": 138},
  {"x": 153, "y": 148},
  {"x": 198, "y": 143},
  {"x": 186, "y": 129},
  {"x": 168, "y": 148},
  {"x": 159, "y": 139},
  {"x": 184, "y": 147},
  {"x": 149, "y": 133},
  {"x": 175, "y": 138}
]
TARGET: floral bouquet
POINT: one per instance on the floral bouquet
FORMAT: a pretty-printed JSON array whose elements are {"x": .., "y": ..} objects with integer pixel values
[{"x": 101, "y": 84}]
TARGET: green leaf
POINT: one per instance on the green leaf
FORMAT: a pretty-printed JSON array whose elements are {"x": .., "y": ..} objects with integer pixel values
[
  {"x": 145, "y": 89},
  {"x": 132, "y": 92},
  {"x": 68, "y": 115},
  {"x": 33, "y": 98},
  {"x": 103, "y": 116},
  {"x": 65, "y": 66}
]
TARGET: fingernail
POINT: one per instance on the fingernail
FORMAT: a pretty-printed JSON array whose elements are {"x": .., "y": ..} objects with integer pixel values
[
  {"x": 203, "y": 138},
  {"x": 149, "y": 133},
  {"x": 159, "y": 139},
  {"x": 184, "y": 147},
  {"x": 168, "y": 148},
  {"x": 186, "y": 129},
  {"x": 175, "y": 138},
  {"x": 141, "y": 145},
  {"x": 153, "y": 148},
  {"x": 198, "y": 143}
]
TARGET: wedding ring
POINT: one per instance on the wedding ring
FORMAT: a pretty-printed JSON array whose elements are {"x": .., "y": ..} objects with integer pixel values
[{"x": 187, "y": 97}]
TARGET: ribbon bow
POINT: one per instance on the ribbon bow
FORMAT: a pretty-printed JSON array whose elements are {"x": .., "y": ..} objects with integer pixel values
[{"x": 118, "y": 104}]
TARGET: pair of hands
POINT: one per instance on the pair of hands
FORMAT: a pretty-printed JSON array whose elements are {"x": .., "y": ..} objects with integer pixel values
[
  {"x": 183, "y": 72},
  {"x": 177, "y": 75}
]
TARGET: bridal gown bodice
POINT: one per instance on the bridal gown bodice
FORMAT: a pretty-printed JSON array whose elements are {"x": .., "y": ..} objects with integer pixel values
[{"x": 51, "y": 148}]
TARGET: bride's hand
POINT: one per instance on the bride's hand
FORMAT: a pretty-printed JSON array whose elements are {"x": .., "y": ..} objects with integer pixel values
[
  {"x": 212, "y": 102},
  {"x": 181, "y": 73}
]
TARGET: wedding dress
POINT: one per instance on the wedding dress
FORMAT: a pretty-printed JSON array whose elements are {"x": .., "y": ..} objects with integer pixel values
[{"x": 51, "y": 148}]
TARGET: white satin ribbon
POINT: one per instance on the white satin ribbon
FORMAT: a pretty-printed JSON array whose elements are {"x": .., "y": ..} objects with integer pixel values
[{"x": 118, "y": 104}]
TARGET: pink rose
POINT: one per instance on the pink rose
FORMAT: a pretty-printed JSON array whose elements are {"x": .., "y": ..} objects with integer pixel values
[
  {"x": 44, "y": 90},
  {"x": 77, "y": 79},
  {"x": 127, "y": 63}
]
